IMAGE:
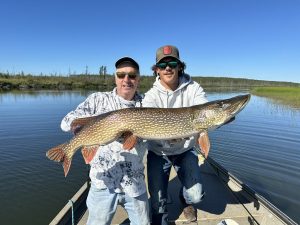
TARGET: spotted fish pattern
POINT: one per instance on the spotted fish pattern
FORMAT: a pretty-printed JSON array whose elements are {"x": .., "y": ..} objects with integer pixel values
[{"x": 148, "y": 123}]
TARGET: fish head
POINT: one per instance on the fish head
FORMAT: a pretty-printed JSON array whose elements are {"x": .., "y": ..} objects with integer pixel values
[{"x": 216, "y": 113}]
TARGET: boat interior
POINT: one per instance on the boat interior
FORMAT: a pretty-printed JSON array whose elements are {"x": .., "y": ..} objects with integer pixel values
[{"x": 227, "y": 201}]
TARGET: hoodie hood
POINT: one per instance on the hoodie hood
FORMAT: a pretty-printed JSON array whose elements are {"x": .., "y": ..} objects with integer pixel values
[{"x": 184, "y": 80}]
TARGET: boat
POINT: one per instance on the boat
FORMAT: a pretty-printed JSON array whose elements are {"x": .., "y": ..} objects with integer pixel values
[{"x": 227, "y": 201}]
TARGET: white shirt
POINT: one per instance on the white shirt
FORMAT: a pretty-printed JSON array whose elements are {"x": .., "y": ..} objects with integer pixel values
[{"x": 112, "y": 167}]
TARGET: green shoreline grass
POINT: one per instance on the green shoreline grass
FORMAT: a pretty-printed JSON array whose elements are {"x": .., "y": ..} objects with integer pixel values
[{"x": 285, "y": 95}]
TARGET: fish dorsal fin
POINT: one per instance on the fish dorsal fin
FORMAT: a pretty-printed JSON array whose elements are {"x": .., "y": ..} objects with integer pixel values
[
  {"x": 129, "y": 140},
  {"x": 88, "y": 152},
  {"x": 204, "y": 143}
]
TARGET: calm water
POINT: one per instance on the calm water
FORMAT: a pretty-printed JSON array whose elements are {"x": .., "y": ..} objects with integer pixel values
[{"x": 261, "y": 147}]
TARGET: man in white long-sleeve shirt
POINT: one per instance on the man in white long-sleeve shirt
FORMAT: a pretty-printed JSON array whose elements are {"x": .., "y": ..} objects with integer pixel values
[
  {"x": 117, "y": 175},
  {"x": 173, "y": 89}
]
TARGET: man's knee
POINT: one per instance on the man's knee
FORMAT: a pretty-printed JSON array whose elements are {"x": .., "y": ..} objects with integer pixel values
[
  {"x": 159, "y": 207},
  {"x": 194, "y": 194}
]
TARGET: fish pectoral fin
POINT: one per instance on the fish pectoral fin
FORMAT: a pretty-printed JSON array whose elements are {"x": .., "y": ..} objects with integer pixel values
[
  {"x": 129, "y": 140},
  {"x": 204, "y": 143},
  {"x": 88, "y": 152}
]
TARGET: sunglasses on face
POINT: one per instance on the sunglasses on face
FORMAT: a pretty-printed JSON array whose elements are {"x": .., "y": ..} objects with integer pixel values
[
  {"x": 121, "y": 75},
  {"x": 163, "y": 65}
]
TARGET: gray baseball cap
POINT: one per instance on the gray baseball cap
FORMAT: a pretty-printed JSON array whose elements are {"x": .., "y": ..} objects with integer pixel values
[{"x": 167, "y": 51}]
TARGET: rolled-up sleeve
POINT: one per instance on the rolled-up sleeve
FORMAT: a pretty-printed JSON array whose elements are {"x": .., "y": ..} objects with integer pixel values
[{"x": 84, "y": 109}]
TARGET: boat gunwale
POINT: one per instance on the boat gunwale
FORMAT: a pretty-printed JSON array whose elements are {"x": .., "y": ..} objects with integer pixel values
[
  {"x": 67, "y": 213},
  {"x": 251, "y": 192}
]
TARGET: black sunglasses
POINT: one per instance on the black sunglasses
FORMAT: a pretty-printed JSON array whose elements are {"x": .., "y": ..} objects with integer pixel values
[
  {"x": 121, "y": 75},
  {"x": 171, "y": 64}
]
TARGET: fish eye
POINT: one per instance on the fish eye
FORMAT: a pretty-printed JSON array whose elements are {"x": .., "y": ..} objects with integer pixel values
[
  {"x": 220, "y": 104},
  {"x": 225, "y": 105}
]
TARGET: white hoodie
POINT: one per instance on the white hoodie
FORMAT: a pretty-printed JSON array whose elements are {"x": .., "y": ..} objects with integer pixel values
[{"x": 188, "y": 93}]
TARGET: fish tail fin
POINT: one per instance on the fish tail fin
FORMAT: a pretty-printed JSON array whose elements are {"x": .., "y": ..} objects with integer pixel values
[{"x": 58, "y": 154}]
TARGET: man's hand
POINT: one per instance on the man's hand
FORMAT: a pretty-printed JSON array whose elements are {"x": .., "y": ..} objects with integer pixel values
[{"x": 76, "y": 129}]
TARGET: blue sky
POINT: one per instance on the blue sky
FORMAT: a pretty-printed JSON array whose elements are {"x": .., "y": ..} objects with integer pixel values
[{"x": 255, "y": 39}]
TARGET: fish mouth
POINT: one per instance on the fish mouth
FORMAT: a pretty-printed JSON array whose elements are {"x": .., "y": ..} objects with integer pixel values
[{"x": 236, "y": 104}]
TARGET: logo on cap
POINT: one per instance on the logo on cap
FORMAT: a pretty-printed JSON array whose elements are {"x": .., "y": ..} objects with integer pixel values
[{"x": 167, "y": 50}]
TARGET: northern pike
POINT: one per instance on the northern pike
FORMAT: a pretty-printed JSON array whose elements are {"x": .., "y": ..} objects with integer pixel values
[{"x": 149, "y": 124}]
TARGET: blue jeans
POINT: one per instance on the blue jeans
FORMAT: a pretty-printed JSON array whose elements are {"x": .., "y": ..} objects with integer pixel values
[
  {"x": 102, "y": 205},
  {"x": 188, "y": 172}
]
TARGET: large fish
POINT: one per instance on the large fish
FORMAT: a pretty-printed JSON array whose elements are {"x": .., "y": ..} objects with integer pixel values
[{"x": 147, "y": 123}]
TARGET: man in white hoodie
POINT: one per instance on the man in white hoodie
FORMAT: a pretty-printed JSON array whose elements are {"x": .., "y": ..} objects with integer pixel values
[{"x": 173, "y": 89}]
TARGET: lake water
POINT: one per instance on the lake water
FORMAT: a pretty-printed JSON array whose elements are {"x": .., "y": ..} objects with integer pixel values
[{"x": 261, "y": 147}]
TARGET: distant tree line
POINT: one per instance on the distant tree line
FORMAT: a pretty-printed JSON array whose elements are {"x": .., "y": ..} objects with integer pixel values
[{"x": 106, "y": 82}]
